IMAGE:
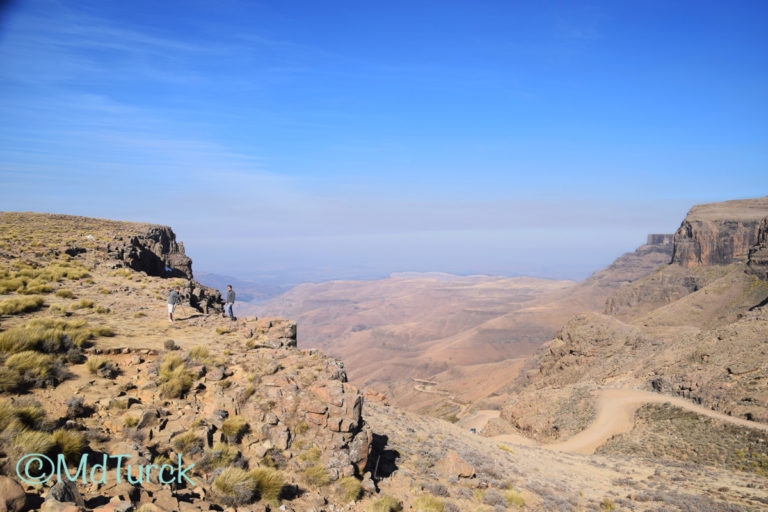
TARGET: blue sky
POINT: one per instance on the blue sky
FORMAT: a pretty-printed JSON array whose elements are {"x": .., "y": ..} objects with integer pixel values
[{"x": 314, "y": 140}]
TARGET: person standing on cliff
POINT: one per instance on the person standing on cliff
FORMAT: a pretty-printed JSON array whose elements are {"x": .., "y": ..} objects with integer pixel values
[
  {"x": 230, "y": 302},
  {"x": 173, "y": 299}
]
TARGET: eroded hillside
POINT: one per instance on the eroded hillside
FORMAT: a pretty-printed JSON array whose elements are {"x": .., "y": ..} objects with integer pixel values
[{"x": 696, "y": 329}]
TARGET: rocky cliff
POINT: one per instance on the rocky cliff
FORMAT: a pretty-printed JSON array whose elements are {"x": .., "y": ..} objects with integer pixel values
[
  {"x": 695, "y": 328},
  {"x": 758, "y": 255},
  {"x": 719, "y": 233}
]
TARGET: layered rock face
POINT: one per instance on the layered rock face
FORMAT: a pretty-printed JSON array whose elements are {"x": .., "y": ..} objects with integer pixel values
[
  {"x": 719, "y": 233},
  {"x": 631, "y": 266},
  {"x": 155, "y": 252},
  {"x": 758, "y": 255}
]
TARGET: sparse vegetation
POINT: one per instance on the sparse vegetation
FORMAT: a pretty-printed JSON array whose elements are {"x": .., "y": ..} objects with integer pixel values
[
  {"x": 222, "y": 330},
  {"x": 607, "y": 504},
  {"x": 316, "y": 476},
  {"x": 130, "y": 421},
  {"x": 428, "y": 503},
  {"x": 351, "y": 488},
  {"x": 385, "y": 503},
  {"x": 64, "y": 293},
  {"x": 199, "y": 353},
  {"x": 514, "y": 498}
]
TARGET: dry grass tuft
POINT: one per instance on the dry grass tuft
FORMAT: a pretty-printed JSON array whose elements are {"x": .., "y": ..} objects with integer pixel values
[
  {"x": 234, "y": 428},
  {"x": 386, "y": 503},
  {"x": 351, "y": 488},
  {"x": 234, "y": 487},
  {"x": 18, "y": 305}
]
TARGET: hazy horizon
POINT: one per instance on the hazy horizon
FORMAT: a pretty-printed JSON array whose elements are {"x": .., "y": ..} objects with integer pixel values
[{"x": 304, "y": 141}]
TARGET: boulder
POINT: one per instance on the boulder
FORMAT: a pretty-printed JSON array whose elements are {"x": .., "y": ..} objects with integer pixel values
[
  {"x": 453, "y": 466},
  {"x": 12, "y": 495}
]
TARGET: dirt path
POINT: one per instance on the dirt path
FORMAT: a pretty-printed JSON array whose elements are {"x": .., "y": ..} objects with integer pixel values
[{"x": 615, "y": 415}]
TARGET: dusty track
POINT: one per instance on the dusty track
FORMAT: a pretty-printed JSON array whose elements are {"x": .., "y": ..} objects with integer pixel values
[{"x": 615, "y": 415}]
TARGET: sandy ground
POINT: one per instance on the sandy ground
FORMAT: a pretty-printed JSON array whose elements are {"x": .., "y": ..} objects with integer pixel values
[{"x": 615, "y": 415}]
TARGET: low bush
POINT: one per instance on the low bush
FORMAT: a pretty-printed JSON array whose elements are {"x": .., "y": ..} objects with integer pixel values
[{"x": 64, "y": 293}]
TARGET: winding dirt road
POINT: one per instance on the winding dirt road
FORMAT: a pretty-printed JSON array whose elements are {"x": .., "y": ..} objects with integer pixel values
[{"x": 615, "y": 415}]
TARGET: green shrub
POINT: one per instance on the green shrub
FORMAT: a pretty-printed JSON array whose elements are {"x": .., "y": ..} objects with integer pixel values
[
  {"x": 269, "y": 484},
  {"x": 351, "y": 487},
  {"x": 607, "y": 504},
  {"x": 317, "y": 476},
  {"x": 234, "y": 428},
  {"x": 184, "y": 443},
  {"x": 130, "y": 421},
  {"x": 386, "y": 503},
  {"x": 18, "y": 305},
  {"x": 234, "y": 487},
  {"x": 428, "y": 503}
]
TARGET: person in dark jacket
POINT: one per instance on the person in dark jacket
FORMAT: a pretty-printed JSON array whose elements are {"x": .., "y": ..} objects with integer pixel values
[
  {"x": 173, "y": 299},
  {"x": 230, "y": 302}
]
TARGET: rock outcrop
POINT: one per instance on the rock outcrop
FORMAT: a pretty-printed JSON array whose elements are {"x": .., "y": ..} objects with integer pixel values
[
  {"x": 719, "y": 233},
  {"x": 758, "y": 255},
  {"x": 154, "y": 251}
]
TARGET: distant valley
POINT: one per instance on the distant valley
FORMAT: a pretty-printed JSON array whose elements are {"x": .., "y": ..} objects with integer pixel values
[{"x": 437, "y": 343}]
